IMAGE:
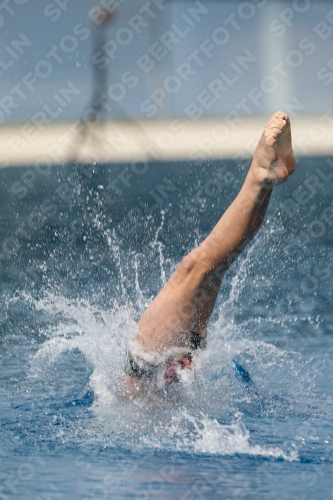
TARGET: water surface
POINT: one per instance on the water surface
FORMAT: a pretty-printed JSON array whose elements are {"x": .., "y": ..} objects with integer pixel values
[{"x": 82, "y": 255}]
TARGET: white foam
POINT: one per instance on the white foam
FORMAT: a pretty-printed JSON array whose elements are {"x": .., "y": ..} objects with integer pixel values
[{"x": 216, "y": 438}]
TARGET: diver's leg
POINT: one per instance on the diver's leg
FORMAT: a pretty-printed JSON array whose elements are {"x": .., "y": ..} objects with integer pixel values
[
  {"x": 210, "y": 287},
  {"x": 187, "y": 300},
  {"x": 260, "y": 215}
]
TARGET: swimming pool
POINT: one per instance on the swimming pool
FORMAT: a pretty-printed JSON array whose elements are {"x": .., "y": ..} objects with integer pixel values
[{"x": 83, "y": 251}]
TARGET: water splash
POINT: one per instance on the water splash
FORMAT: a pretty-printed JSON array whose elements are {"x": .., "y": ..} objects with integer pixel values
[
  {"x": 79, "y": 325},
  {"x": 101, "y": 335},
  {"x": 223, "y": 439},
  {"x": 159, "y": 246}
]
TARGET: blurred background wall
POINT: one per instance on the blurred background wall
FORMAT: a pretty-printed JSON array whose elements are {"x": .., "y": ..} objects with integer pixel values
[
  {"x": 160, "y": 58},
  {"x": 137, "y": 60}
]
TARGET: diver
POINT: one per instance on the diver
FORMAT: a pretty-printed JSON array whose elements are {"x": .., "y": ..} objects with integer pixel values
[{"x": 174, "y": 325}]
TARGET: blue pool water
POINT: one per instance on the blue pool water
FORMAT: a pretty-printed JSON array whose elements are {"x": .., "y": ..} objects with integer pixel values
[{"x": 82, "y": 254}]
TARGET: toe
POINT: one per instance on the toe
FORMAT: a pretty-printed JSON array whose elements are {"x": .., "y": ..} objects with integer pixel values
[
  {"x": 276, "y": 127},
  {"x": 273, "y": 131},
  {"x": 279, "y": 117},
  {"x": 282, "y": 114}
]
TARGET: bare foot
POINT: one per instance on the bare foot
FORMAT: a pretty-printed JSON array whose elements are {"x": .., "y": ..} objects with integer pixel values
[{"x": 274, "y": 159}]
